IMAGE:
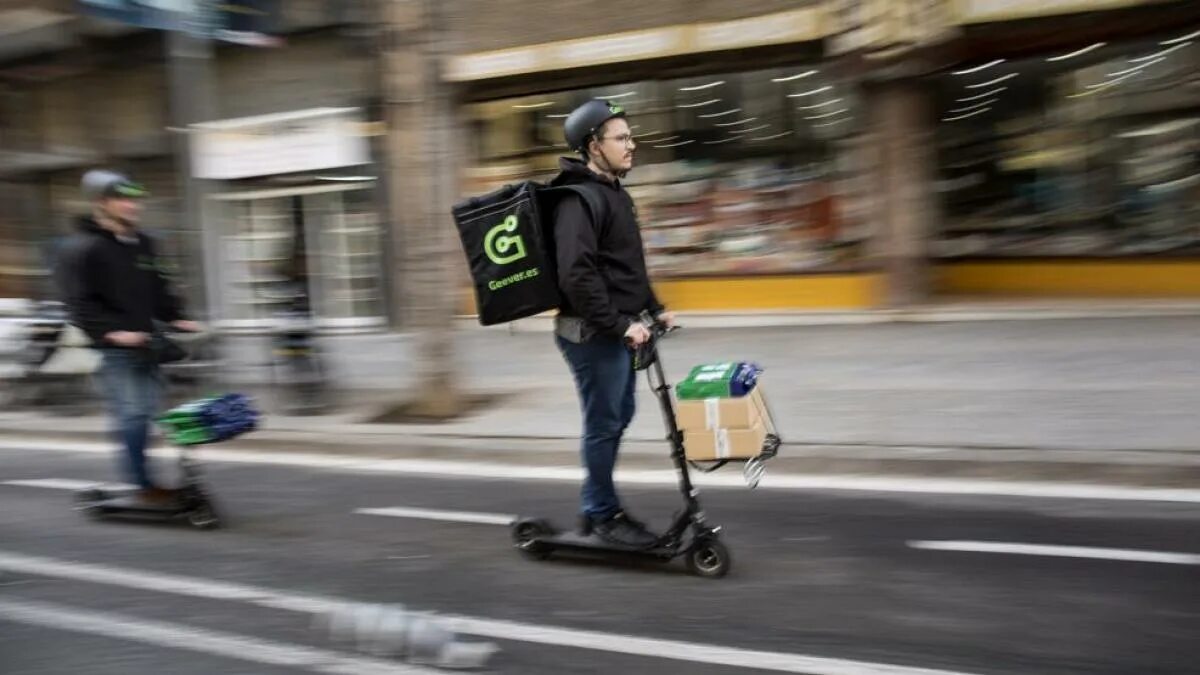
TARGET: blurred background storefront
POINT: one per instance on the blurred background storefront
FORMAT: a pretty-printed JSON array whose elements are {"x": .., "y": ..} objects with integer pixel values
[
  {"x": 297, "y": 218},
  {"x": 750, "y": 178},
  {"x": 1073, "y": 166}
]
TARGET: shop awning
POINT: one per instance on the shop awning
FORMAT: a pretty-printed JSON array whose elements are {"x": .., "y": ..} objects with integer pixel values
[
  {"x": 801, "y": 25},
  {"x": 15, "y": 163}
]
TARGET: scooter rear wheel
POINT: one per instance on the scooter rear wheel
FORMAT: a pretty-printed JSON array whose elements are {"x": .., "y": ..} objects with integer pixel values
[
  {"x": 525, "y": 535},
  {"x": 709, "y": 558}
]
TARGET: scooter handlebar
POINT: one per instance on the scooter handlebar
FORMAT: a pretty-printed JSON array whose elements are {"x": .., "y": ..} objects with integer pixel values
[{"x": 646, "y": 354}]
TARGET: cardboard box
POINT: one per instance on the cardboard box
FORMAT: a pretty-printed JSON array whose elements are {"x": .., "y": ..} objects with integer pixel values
[
  {"x": 743, "y": 412},
  {"x": 724, "y": 443}
]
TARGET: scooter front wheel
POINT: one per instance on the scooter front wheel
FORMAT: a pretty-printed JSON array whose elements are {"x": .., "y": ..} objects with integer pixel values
[
  {"x": 204, "y": 517},
  {"x": 709, "y": 558}
]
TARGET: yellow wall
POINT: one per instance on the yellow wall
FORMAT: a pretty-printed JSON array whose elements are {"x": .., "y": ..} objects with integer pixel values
[
  {"x": 783, "y": 293},
  {"x": 1072, "y": 278},
  {"x": 800, "y": 292}
]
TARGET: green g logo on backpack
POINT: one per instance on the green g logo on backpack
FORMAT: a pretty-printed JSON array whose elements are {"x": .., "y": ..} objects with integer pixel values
[{"x": 501, "y": 246}]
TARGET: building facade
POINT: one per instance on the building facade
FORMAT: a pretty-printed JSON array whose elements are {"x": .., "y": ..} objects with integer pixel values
[{"x": 793, "y": 155}]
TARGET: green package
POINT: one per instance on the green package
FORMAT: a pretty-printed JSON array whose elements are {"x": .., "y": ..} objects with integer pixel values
[
  {"x": 192, "y": 437},
  {"x": 707, "y": 381},
  {"x": 184, "y": 426}
]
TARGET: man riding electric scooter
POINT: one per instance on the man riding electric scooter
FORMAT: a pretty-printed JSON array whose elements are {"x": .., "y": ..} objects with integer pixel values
[
  {"x": 115, "y": 292},
  {"x": 605, "y": 287}
]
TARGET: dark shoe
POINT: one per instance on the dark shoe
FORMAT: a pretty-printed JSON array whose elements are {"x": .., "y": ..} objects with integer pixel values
[
  {"x": 586, "y": 522},
  {"x": 624, "y": 515},
  {"x": 623, "y": 531}
]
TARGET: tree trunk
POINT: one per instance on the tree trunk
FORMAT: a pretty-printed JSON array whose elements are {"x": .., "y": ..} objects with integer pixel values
[
  {"x": 423, "y": 164},
  {"x": 906, "y": 207}
]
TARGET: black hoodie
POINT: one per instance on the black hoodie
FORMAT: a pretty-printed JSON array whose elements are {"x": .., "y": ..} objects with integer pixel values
[
  {"x": 112, "y": 285},
  {"x": 601, "y": 267}
]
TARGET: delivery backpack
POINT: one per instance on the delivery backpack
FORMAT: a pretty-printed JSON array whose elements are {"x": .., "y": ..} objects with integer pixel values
[{"x": 508, "y": 236}]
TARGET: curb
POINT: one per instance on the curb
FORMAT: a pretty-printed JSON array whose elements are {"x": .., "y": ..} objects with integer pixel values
[{"x": 1135, "y": 468}]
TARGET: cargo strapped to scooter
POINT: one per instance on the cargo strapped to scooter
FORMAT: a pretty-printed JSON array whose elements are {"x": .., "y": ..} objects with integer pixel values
[
  {"x": 210, "y": 420},
  {"x": 755, "y": 467},
  {"x": 725, "y": 417}
]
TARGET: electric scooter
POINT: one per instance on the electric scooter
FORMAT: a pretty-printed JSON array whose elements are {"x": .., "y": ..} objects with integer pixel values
[
  {"x": 702, "y": 549},
  {"x": 191, "y": 501}
]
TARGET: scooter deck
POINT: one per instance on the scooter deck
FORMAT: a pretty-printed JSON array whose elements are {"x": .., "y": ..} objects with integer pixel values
[
  {"x": 126, "y": 503},
  {"x": 131, "y": 504},
  {"x": 574, "y": 541}
]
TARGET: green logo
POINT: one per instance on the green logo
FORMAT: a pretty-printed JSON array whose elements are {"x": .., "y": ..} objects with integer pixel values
[
  {"x": 148, "y": 263},
  {"x": 502, "y": 248},
  {"x": 523, "y": 275},
  {"x": 615, "y": 109}
]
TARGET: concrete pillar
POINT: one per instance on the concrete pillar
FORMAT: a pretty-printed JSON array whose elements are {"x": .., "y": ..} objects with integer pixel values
[
  {"x": 906, "y": 210},
  {"x": 423, "y": 172}
]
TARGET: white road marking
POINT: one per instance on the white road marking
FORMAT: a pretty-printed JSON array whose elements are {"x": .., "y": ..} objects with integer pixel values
[
  {"x": 1132, "y": 555},
  {"x": 505, "y": 630},
  {"x": 65, "y": 484},
  {"x": 681, "y": 651},
  {"x": 190, "y": 638},
  {"x": 436, "y": 514},
  {"x": 772, "y": 481}
]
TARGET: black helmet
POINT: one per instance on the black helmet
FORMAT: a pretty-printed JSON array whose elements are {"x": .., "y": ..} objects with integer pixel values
[
  {"x": 583, "y": 122},
  {"x": 101, "y": 183}
]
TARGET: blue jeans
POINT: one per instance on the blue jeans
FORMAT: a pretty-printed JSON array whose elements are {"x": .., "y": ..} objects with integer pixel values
[
  {"x": 604, "y": 378},
  {"x": 132, "y": 386}
]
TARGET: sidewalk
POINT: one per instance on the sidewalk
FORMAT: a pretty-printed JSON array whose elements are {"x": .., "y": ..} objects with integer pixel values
[{"x": 849, "y": 397}]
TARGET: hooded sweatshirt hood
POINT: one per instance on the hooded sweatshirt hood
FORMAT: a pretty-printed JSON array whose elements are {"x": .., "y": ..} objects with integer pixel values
[{"x": 573, "y": 171}]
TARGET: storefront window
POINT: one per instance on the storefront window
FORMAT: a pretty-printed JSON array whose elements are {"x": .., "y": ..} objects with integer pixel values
[
  {"x": 736, "y": 174},
  {"x": 1090, "y": 153},
  {"x": 320, "y": 246},
  {"x": 348, "y": 258},
  {"x": 25, "y": 243},
  {"x": 257, "y": 252}
]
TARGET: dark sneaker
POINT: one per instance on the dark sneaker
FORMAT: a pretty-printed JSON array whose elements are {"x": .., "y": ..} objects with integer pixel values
[
  {"x": 624, "y": 515},
  {"x": 623, "y": 531},
  {"x": 586, "y": 522}
]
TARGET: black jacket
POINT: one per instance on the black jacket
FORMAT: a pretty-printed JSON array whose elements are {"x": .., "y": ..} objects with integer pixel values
[
  {"x": 109, "y": 285},
  {"x": 601, "y": 266}
]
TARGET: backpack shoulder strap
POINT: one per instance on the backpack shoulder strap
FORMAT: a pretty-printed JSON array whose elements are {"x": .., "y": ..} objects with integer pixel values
[{"x": 596, "y": 204}]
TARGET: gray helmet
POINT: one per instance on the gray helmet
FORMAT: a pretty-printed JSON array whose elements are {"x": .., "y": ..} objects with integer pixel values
[
  {"x": 100, "y": 183},
  {"x": 583, "y": 122}
]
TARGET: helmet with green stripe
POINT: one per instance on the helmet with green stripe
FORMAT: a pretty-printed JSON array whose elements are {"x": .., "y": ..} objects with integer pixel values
[
  {"x": 583, "y": 122},
  {"x": 100, "y": 184}
]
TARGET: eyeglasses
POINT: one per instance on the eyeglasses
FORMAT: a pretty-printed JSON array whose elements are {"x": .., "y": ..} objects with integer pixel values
[{"x": 623, "y": 139}]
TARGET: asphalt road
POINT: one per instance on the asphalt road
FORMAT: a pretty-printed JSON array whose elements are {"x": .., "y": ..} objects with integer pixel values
[{"x": 823, "y": 582}]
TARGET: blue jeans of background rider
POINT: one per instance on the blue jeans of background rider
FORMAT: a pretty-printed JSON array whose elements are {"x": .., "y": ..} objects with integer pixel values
[{"x": 132, "y": 386}]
